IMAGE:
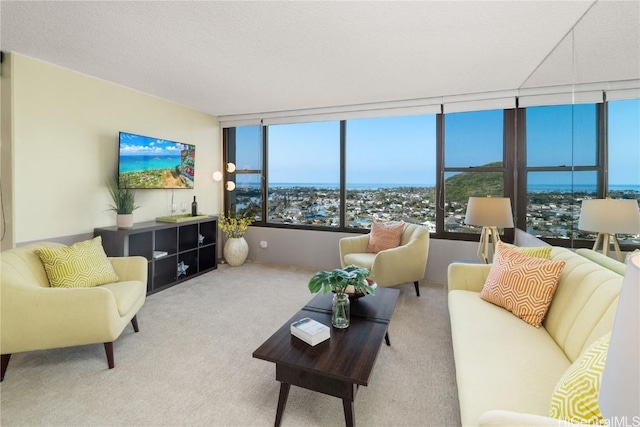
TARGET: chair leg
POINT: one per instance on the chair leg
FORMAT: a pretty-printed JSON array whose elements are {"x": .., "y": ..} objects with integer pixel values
[
  {"x": 3, "y": 365},
  {"x": 417, "y": 288},
  {"x": 134, "y": 322},
  {"x": 108, "y": 348}
]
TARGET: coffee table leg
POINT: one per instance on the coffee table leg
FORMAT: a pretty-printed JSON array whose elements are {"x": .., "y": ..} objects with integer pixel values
[
  {"x": 282, "y": 402},
  {"x": 348, "y": 412},
  {"x": 386, "y": 338}
]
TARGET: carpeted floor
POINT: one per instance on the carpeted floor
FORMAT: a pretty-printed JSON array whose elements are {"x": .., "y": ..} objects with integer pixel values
[{"x": 191, "y": 363}]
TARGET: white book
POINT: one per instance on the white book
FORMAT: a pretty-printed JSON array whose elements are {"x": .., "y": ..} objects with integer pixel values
[
  {"x": 310, "y": 331},
  {"x": 159, "y": 254}
]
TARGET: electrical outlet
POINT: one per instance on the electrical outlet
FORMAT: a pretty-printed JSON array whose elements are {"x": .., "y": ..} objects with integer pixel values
[{"x": 263, "y": 244}]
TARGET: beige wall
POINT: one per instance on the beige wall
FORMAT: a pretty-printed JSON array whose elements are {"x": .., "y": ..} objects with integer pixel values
[
  {"x": 319, "y": 250},
  {"x": 65, "y": 145}
]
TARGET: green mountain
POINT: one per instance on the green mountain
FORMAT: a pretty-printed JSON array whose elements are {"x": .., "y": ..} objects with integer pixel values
[{"x": 460, "y": 187}]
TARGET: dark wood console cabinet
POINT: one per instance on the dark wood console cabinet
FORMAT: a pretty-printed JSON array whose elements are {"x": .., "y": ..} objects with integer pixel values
[{"x": 190, "y": 242}]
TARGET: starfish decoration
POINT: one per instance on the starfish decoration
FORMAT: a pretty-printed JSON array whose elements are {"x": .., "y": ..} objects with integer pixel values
[
  {"x": 182, "y": 268},
  {"x": 200, "y": 239}
]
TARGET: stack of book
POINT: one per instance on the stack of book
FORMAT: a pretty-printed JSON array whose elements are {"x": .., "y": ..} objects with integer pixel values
[{"x": 310, "y": 331}]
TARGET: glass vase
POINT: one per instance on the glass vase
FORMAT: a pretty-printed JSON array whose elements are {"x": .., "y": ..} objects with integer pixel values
[{"x": 340, "y": 311}]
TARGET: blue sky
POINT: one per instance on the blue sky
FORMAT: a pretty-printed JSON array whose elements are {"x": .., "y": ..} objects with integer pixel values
[
  {"x": 137, "y": 145},
  {"x": 402, "y": 150}
]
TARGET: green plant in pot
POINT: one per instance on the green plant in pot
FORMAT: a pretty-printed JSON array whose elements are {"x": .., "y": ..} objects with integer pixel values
[
  {"x": 342, "y": 281},
  {"x": 124, "y": 203}
]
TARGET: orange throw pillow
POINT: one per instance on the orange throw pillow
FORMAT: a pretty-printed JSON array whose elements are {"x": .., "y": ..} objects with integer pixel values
[
  {"x": 522, "y": 284},
  {"x": 384, "y": 235}
]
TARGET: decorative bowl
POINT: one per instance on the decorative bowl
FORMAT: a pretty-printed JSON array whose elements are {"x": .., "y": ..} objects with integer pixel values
[{"x": 355, "y": 295}]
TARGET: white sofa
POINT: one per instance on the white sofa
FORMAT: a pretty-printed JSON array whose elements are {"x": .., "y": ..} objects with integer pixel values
[{"x": 506, "y": 370}]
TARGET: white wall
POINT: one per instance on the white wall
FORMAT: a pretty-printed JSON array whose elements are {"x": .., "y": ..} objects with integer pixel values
[
  {"x": 319, "y": 250},
  {"x": 65, "y": 145}
]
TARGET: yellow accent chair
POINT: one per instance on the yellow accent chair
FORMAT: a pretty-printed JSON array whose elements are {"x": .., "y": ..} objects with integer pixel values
[
  {"x": 403, "y": 264},
  {"x": 35, "y": 316}
]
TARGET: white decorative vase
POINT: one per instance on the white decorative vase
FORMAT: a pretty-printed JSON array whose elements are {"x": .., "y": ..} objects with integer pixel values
[
  {"x": 124, "y": 220},
  {"x": 235, "y": 251}
]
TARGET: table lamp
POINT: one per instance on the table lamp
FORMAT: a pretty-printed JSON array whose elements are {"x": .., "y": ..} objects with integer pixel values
[
  {"x": 490, "y": 213},
  {"x": 619, "y": 397},
  {"x": 608, "y": 217}
]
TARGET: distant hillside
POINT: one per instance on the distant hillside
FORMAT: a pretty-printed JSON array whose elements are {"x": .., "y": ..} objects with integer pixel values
[{"x": 460, "y": 187}]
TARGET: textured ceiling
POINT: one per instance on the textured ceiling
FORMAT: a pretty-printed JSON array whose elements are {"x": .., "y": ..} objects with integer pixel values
[{"x": 233, "y": 57}]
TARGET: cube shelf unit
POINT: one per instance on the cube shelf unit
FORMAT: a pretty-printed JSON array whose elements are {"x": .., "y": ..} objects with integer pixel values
[{"x": 180, "y": 241}]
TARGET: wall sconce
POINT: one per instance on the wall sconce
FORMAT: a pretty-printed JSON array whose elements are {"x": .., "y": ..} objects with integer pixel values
[
  {"x": 217, "y": 176},
  {"x": 608, "y": 217},
  {"x": 491, "y": 213}
]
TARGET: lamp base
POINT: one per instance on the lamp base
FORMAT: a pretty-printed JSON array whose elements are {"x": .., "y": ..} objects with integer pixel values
[
  {"x": 606, "y": 239},
  {"x": 488, "y": 233}
]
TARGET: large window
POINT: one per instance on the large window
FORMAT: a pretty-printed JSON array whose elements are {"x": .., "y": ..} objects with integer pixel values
[
  {"x": 391, "y": 171},
  {"x": 562, "y": 167},
  {"x": 624, "y": 154},
  {"x": 244, "y": 146},
  {"x": 473, "y": 163},
  {"x": 343, "y": 175},
  {"x": 304, "y": 174}
]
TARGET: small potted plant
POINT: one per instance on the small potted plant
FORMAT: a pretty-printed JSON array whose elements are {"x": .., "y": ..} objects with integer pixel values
[
  {"x": 342, "y": 281},
  {"x": 124, "y": 203},
  {"x": 236, "y": 248}
]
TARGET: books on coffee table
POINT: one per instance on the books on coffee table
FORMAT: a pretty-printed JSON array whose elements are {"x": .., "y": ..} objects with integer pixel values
[{"x": 310, "y": 331}]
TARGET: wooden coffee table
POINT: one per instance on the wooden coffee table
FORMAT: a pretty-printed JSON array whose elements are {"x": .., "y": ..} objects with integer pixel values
[{"x": 341, "y": 364}]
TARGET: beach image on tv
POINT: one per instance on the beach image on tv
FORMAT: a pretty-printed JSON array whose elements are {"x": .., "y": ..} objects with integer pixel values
[{"x": 147, "y": 162}]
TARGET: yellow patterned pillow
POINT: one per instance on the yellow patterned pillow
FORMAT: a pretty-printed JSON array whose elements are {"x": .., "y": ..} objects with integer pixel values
[
  {"x": 83, "y": 264},
  {"x": 543, "y": 252},
  {"x": 575, "y": 398},
  {"x": 522, "y": 284}
]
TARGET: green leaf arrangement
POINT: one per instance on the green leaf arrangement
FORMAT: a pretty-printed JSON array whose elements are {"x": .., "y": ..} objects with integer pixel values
[
  {"x": 339, "y": 279},
  {"x": 124, "y": 199}
]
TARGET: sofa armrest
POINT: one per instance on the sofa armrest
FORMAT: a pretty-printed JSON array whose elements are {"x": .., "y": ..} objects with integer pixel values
[
  {"x": 40, "y": 318},
  {"x": 499, "y": 418},
  {"x": 349, "y": 245},
  {"x": 467, "y": 277},
  {"x": 130, "y": 268}
]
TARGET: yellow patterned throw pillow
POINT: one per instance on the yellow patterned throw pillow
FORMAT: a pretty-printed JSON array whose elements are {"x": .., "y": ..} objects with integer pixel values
[
  {"x": 81, "y": 265},
  {"x": 543, "y": 252},
  {"x": 522, "y": 284},
  {"x": 575, "y": 398}
]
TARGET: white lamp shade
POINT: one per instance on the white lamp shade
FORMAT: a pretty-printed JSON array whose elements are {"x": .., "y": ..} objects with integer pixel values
[
  {"x": 620, "y": 388},
  {"x": 217, "y": 176},
  {"x": 610, "y": 216},
  {"x": 231, "y": 167},
  {"x": 230, "y": 185},
  {"x": 489, "y": 212}
]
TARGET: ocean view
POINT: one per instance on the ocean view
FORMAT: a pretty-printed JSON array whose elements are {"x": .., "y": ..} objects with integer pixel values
[
  {"x": 537, "y": 188},
  {"x": 145, "y": 162}
]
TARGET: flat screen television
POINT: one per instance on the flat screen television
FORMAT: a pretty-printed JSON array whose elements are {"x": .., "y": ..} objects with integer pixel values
[{"x": 147, "y": 162}]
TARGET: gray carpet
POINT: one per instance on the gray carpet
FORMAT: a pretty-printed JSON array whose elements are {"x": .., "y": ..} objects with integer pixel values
[{"x": 191, "y": 363}]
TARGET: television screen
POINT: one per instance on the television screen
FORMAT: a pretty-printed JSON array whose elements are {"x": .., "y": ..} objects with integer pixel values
[{"x": 146, "y": 162}]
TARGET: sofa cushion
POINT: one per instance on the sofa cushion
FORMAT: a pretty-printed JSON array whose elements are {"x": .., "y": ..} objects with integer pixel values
[
  {"x": 126, "y": 294},
  {"x": 522, "y": 284},
  {"x": 360, "y": 259},
  {"x": 83, "y": 264},
  {"x": 575, "y": 398},
  {"x": 384, "y": 236},
  {"x": 501, "y": 362}
]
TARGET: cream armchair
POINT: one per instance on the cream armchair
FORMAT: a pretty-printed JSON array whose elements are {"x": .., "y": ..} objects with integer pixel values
[
  {"x": 390, "y": 267},
  {"x": 35, "y": 316}
]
